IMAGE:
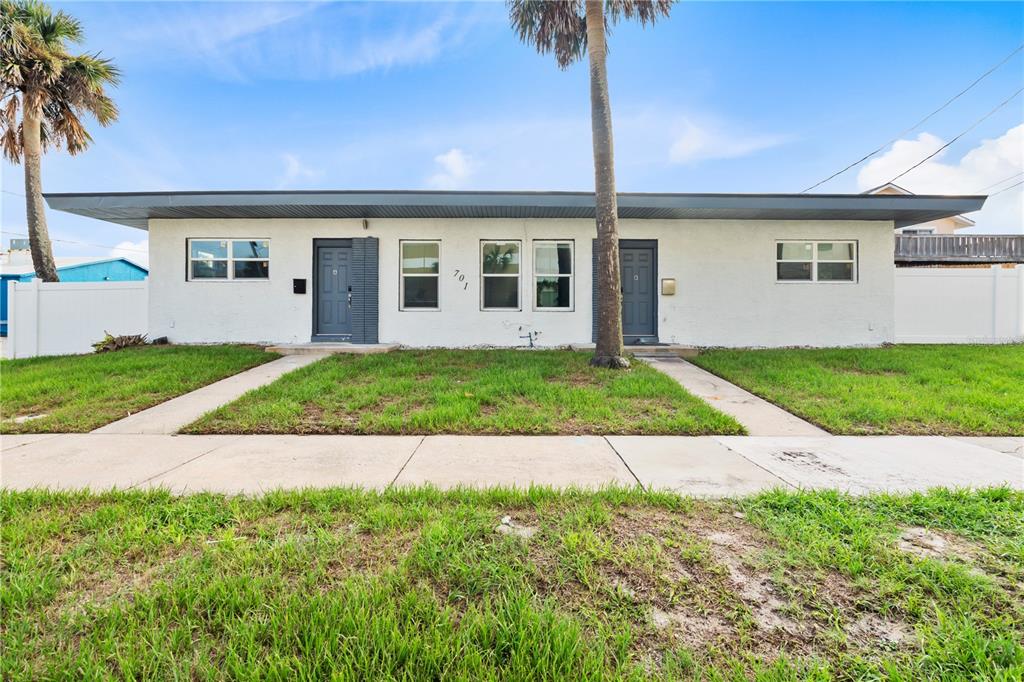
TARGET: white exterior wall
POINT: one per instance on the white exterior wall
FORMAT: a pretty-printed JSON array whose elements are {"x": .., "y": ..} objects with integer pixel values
[
  {"x": 64, "y": 318},
  {"x": 960, "y": 305},
  {"x": 725, "y": 272}
]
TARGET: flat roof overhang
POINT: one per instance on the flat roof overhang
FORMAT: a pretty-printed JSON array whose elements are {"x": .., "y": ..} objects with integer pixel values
[{"x": 135, "y": 209}]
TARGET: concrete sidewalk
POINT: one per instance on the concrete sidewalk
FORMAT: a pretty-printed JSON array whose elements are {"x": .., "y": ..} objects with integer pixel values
[
  {"x": 703, "y": 466},
  {"x": 758, "y": 416},
  {"x": 168, "y": 417}
]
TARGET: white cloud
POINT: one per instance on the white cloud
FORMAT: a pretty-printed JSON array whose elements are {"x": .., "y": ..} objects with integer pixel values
[
  {"x": 456, "y": 168},
  {"x": 295, "y": 172},
  {"x": 137, "y": 252},
  {"x": 695, "y": 141},
  {"x": 401, "y": 48},
  {"x": 210, "y": 35},
  {"x": 988, "y": 163},
  {"x": 300, "y": 40}
]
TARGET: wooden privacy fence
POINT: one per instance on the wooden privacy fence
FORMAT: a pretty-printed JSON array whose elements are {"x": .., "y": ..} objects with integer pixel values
[{"x": 956, "y": 248}]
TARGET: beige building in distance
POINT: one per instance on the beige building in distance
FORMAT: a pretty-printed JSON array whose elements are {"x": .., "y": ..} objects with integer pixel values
[{"x": 944, "y": 226}]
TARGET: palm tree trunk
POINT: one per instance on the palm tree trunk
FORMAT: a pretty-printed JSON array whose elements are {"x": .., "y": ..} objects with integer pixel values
[
  {"x": 609, "y": 351},
  {"x": 35, "y": 215}
]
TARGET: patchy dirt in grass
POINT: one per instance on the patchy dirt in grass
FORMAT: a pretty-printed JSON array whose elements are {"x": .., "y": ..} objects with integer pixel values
[
  {"x": 702, "y": 630},
  {"x": 930, "y": 544},
  {"x": 790, "y": 612},
  {"x": 860, "y": 371},
  {"x": 509, "y": 526},
  {"x": 577, "y": 379},
  {"x": 877, "y": 630},
  {"x": 135, "y": 572},
  {"x": 735, "y": 548},
  {"x": 703, "y": 578},
  {"x": 312, "y": 416},
  {"x": 926, "y": 543},
  {"x": 372, "y": 553}
]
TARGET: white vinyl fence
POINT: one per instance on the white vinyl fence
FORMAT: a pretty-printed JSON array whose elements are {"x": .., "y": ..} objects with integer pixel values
[
  {"x": 960, "y": 305},
  {"x": 62, "y": 318}
]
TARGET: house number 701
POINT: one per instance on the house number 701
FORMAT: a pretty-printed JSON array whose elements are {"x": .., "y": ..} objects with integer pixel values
[{"x": 461, "y": 276}]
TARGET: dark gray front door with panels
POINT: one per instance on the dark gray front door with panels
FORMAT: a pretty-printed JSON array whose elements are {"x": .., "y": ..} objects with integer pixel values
[
  {"x": 334, "y": 291},
  {"x": 638, "y": 292}
]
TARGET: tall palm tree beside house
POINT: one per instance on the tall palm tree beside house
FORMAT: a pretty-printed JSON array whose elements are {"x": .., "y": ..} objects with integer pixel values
[
  {"x": 570, "y": 29},
  {"x": 54, "y": 90}
]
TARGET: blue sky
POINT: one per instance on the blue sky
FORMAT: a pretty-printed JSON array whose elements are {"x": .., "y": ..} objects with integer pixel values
[{"x": 721, "y": 97}]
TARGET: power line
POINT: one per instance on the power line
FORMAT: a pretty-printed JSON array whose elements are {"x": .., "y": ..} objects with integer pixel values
[
  {"x": 68, "y": 241},
  {"x": 1006, "y": 189},
  {"x": 994, "y": 184},
  {"x": 97, "y": 246},
  {"x": 919, "y": 123},
  {"x": 969, "y": 129}
]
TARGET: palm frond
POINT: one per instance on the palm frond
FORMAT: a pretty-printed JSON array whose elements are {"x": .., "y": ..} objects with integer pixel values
[
  {"x": 644, "y": 11},
  {"x": 63, "y": 87},
  {"x": 10, "y": 129},
  {"x": 551, "y": 27},
  {"x": 68, "y": 130},
  {"x": 95, "y": 70},
  {"x": 53, "y": 28},
  {"x": 560, "y": 26}
]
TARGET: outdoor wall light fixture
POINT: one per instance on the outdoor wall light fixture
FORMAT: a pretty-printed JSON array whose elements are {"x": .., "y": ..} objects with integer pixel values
[
  {"x": 668, "y": 287},
  {"x": 366, "y": 224}
]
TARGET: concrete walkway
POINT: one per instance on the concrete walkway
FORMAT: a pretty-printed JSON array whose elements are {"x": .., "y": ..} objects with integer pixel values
[
  {"x": 170, "y": 416},
  {"x": 758, "y": 416},
  {"x": 703, "y": 466}
]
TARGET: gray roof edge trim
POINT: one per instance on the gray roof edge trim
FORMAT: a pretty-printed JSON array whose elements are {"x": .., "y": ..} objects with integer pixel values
[
  {"x": 136, "y": 209},
  {"x": 499, "y": 193},
  {"x": 65, "y": 202}
]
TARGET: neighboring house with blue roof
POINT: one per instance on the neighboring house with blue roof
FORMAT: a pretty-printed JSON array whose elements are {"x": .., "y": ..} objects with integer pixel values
[{"x": 15, "y": 267}]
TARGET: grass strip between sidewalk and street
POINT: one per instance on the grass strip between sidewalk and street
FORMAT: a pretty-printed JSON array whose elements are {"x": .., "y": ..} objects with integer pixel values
[{"x": 505, "y": 584}]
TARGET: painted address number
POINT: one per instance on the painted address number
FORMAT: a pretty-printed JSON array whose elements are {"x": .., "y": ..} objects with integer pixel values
[{"x": 460, "y": 276}]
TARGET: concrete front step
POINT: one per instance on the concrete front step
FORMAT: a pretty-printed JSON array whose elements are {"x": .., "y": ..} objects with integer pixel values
[
  {"x": 662, "y": 351},
  {"x": 332, "y": 348}
]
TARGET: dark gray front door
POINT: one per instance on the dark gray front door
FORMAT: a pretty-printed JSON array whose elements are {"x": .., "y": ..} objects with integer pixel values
[
  {"x": 333, "y": 292},
  {"x": 638, "y": 293}
]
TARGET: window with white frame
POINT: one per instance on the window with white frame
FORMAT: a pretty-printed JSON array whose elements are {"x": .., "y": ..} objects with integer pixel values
[
  {"x": 228, "y": 259},
  {"x": 552, "y": 275},
  {"x": 499, "y": 275},
  {"x": 816, "y": 261},
  {"x": 421, "y": 273}
]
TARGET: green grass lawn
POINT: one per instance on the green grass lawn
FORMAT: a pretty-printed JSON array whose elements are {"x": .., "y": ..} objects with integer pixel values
[
  {"x": 918, "y": 390},
  {"x": 78, "y": 393},
  {"x": 417, "y": 584},
  {"x": 468, "y": 391}
]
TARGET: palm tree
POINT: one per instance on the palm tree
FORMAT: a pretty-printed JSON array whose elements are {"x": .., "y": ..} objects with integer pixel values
[
  {"x": 570, "y": 28},
  {"x": 54, "y": 90}
]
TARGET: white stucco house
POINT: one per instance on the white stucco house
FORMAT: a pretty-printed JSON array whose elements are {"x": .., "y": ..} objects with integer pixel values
[{"x": 492, "y": 268}]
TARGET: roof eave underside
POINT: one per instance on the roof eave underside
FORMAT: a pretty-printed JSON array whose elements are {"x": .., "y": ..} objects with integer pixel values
[{"x": 135, "y": 210}]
